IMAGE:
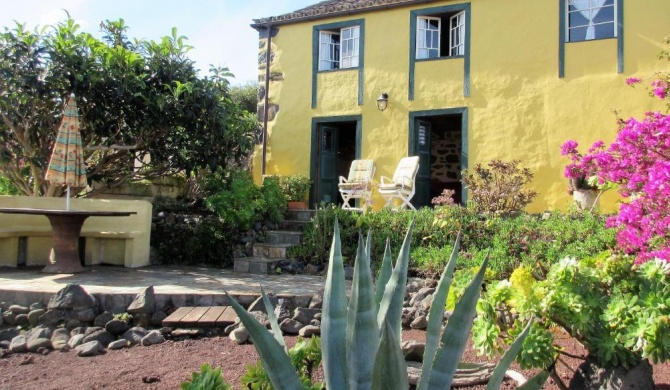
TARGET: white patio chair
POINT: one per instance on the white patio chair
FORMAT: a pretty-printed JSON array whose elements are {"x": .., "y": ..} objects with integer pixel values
[
  {"x": 403, "y": 184},
  {"x": 358, "y": 185}
]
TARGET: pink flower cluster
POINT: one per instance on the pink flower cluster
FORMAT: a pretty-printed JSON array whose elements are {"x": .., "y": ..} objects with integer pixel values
[{"x": 639, "y": 162}]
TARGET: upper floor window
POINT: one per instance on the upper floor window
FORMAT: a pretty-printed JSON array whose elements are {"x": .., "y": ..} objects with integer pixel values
[
  {"x": 434, "y": 40},
  {"x": 339, "y": 49},
  {"x": 591, "y": 19}
]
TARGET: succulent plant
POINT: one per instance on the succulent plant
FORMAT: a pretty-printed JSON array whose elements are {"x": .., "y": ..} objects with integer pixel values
[{"x": 360, "y": 340}]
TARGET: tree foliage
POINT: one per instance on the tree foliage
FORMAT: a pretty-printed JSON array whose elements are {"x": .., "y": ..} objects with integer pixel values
[{"x": 137, "y": 98}]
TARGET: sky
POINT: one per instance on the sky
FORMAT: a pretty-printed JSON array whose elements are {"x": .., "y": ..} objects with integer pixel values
[{"x": 218, "y": 30}]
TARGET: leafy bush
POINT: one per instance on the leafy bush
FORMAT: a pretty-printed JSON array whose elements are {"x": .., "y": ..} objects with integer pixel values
[
  {"x": 618, "y": 312},
  {"x": 206, "y": 379},
  {"x": 6, "y": 187},
  {"x": 305, "y": 356},
  {"x": 499, "y": 189},
  {"x": 295, "y": 187}
]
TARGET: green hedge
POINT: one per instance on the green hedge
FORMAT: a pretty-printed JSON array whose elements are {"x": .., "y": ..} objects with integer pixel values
[{"x": 536, "y": 240}]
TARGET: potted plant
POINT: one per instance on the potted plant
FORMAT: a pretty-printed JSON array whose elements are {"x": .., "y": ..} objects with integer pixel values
[
  {"x": 584, "y": 191},
  {"x": 296, "y": 188}
]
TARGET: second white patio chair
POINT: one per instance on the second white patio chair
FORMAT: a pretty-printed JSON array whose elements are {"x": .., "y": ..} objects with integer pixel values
[
  {"x": 403, "y": 184},
  {"x": 358, "y": 185}
]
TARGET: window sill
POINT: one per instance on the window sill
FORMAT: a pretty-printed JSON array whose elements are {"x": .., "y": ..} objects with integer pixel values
[
  {"x": 438, "y": 58},
  {"x": 337, "y": 70},
  {"x": 591, "y": 40}
]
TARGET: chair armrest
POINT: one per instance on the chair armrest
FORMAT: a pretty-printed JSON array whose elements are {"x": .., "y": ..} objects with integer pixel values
[
  {"x": 343, "y": 180},
  {"x": 387, "y": 181}
]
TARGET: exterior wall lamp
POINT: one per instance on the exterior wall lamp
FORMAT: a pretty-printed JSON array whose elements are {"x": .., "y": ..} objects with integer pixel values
[{"x": 383, "y": 101}]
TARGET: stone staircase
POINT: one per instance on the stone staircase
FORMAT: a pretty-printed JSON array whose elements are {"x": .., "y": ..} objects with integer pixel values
[{"x": 267, "y": 254}]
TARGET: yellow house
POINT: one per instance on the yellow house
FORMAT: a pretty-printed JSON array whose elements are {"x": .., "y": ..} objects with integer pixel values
[{"x": 466, "y": 82}]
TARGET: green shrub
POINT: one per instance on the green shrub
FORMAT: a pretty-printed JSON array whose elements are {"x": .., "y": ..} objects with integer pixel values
[
  {"x": 6, "y": 187},
  {"x": 206, "y": 379},
  {"x": 295, "y": 187}
]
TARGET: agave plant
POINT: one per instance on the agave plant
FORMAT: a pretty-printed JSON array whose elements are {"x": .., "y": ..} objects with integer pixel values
[{"x": 360, "y": 339}]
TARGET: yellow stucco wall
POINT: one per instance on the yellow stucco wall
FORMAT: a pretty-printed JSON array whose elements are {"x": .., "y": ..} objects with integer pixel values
[{"x": 518, "y": 107}]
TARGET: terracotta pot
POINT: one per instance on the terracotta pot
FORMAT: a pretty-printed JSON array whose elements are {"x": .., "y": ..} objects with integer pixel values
[{"x": 297, "y": 205}]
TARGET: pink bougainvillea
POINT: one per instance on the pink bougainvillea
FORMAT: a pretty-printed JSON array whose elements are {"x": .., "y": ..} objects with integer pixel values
[{"x": 639, "y": 162}]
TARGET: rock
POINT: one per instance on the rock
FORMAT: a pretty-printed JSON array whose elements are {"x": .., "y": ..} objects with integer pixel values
[
  {"x": 52, "y": 317},
  {"x": 153, "y": 337},
  {"x": 590, "y": 376},
  {"x": 72, "y": 297},
  {"x": 39, "y": 332},
  {"x": 101, "y": 335},
  {"x": 239, "y": 335},
  {"x": 315, "y": 322},
  {"x": 134, "y": 335},
  {"x": 116, "y": 327},
  {"x": 317, "y": 301},
  {"x": 420, "y": 295},
  {"x": 103, "y": 319},
  {"x": 60, "y": 338},
  {"x": 35, "y": 344},
  {"x": 158, "y": 317},
  {"x": 4, "y": 344},
  {"x": 19, "y": 344},
  {"x": 426, "y": 303},
  {"x": 317, "y": 316},
  {"x": 75, "y": 340},
  {"x": 144, "y": 302},
  {"x": 37, "y": 306},
  {"x": 73, "y": 324},
  {"x": 92, "y": 329},
  {"x": 408, "y": 316},
  {"x": 420, "y": 322},
  {"x": 85, "y": 315},
  {"x": 118, "y": 344},
  {"x": 18, "y": 309},
  {"x": 413, "y": 350},
  {"x": 309, "y": 331},
  {"x": 261, "y": 317},
  {"x": 282, "y": 310},
  {"x": 230, "y": 328},
  {"x": 89, "y": 349},
  {"x": 310, "y": 269},
  {"x": 258, "y": 304},
  {"x": 305, "y": 315},
  {"x": 8, "y": 334},
  {"x": 8, "y": 317},
  {"x": 21, "y": 320},
  {"x": 78, "y": 330},
  {"x": 142, "y": 319},
  {"x": 348, "y": 273},
  {"x": 291, "y": 326},
  {"x": 34, "y": 316},
  {"x": 414, "y": 285},
  {"x": 246, "y": 299}
]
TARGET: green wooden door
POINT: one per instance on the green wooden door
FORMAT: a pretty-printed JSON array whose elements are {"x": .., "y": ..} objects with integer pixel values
[
  {"x": 422, "y": 149},
  {"x": 327, "y": 165}
]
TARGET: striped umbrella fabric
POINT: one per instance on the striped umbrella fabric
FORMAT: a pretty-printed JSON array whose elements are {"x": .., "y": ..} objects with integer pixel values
[{"x": 66, "y": 166}]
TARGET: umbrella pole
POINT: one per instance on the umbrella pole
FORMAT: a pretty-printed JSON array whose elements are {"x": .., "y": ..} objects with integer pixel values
[{"x": 67, "y": 201}]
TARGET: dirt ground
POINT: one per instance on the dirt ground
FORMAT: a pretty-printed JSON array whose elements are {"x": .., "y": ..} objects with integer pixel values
[{"x": 167, "y": 365}]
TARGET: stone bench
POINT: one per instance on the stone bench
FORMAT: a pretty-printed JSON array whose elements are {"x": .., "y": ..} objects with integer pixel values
[{"x": 26, "y": 239}]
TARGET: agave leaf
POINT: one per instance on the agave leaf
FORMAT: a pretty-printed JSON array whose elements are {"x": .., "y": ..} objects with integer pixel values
[
  {"x": 536, "y": 382},
  {"x": 455, "y": 336},
  {"x": 435, "y": 315},
  {"x": 362, "y": 331},
  {"x": 276, "y": 361},
  {"x": 384, "y": 273},
  {"x": 394, "y": 294},
  {"x": 334, "y": 319},
  {"x": 390, "y": 370},
  {"x": 499, "y": 373},
  {"x": 272, "y": 317}
]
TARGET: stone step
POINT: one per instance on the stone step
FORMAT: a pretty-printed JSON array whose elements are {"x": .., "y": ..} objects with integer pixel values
[
  {"x": 283, "y": 237},
  {"x": 292, "y": 225},
  {"x": 255, "y": 265},
  {"x": 271, "y": 251},
  {"x": 300, "y": 215}
]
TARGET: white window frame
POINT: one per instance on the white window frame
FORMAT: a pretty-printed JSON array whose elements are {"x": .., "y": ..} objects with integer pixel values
[
  {"x": 423, "y": 30},
  {"x": 339, "y": 49},
  {"x": 593, "y": 5},
  {"x": 329, "y": 50},
  {"x": 457, "y": 34},
  {"x": 350, "y": 46}
]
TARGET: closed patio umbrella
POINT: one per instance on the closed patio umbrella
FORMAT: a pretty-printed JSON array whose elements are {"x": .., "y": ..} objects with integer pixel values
[{"x": 66, "y": 166}]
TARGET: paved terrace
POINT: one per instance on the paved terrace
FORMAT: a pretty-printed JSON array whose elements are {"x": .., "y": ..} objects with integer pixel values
[{"x": 115, "y": 286}]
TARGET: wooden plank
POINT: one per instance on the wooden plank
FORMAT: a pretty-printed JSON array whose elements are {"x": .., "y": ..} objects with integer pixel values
[
  {"x": 192, "y": 318},
  {"x": 174, "y": 318},
  {"x": 227, "y": 317},
  {"x": 210, "y": 317}
]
